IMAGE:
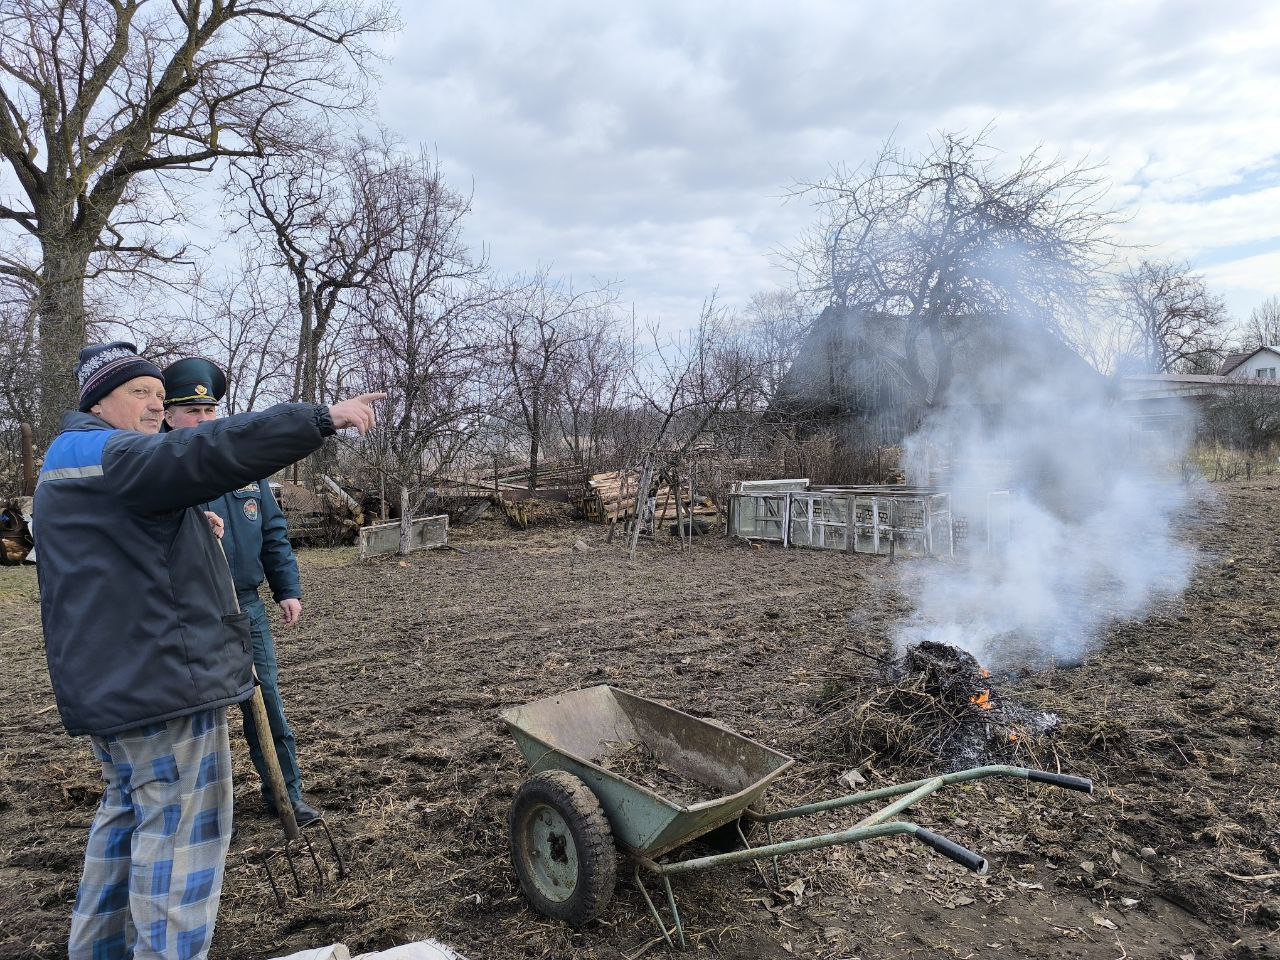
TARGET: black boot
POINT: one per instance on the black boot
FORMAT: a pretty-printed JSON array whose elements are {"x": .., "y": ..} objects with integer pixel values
[{"x": 303, "y": 812}]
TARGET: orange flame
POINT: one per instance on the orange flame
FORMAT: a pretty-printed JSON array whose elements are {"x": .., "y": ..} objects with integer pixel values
[
  {"x": 982, "y": 700},
  {"x": 984, "y": 673}
]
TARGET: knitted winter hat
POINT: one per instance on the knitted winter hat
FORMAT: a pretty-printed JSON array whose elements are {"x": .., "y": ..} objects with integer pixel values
[{"x": 105, "y": 366}]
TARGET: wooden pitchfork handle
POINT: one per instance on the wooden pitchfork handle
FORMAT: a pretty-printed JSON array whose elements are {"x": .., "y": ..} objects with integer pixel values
[{"x": 266, "y": 745}]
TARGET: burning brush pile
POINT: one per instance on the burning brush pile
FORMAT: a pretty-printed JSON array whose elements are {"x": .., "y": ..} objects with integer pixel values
[{"x": 932, "y": 706}]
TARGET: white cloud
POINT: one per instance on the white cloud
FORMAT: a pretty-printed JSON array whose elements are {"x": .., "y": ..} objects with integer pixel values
[
  {"x": 652, "y": 143},
  {"x": 1255, "y": 278}
]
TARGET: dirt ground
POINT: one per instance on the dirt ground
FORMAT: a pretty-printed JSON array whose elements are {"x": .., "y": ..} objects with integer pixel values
[{"x": 394, "y": 679}]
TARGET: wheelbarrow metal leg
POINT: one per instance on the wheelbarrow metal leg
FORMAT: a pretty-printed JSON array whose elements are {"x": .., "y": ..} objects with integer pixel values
[
  {"x": 747, "y": 844},
  {"x": 675, "y": 913},
  {"x": 653, "y": 910},
  {"x": 777, "y": 870}
]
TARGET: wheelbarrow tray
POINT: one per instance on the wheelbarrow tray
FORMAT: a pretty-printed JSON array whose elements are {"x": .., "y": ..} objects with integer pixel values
[{"x": 563, "y": 732}]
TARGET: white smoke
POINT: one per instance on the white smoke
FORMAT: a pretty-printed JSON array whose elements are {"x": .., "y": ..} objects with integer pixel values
[{"x": 1090, "y": 532}]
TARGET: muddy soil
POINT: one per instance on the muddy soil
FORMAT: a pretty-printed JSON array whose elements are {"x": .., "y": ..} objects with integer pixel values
[
  {"x": 395, "y": 676},
  {"x": 634, "y": 761}
]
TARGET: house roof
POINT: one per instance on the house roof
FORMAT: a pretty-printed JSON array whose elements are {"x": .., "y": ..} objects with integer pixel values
[
  {"x": 1233, "y": 360},
  {"x": 852, "y": 361},
  {"x": 1149, "y": 386}
]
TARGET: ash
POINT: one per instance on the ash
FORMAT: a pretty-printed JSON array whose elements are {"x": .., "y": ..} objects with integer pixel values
[{"x": 935, "y": 705}]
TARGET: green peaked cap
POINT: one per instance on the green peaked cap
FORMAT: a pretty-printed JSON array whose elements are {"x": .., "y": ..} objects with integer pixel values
[{"x": 193, "y": 380}]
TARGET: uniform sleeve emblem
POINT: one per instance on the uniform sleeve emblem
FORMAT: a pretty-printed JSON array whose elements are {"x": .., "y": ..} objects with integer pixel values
[{"x": 251, "y": 509}]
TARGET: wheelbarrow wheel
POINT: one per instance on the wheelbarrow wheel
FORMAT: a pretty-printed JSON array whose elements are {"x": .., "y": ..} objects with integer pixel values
[{"x": 562, "y": 848}]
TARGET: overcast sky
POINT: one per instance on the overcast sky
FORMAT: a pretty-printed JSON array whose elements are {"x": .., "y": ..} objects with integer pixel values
[{"x": 653, "y": 143}]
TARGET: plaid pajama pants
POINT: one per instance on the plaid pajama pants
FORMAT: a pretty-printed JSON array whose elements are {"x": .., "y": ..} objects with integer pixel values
[{"x": 158, "y": 845}]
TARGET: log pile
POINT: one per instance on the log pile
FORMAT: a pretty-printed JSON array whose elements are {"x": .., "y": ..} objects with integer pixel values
[
  {"x": 15, "y": 530},
  {"x": 318, "y": 519},
  {"x": 612, "y": 497},
  {"x": 551, "y": 476}
]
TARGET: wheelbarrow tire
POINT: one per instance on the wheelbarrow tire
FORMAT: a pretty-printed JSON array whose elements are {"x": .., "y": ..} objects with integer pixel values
[{"x": 562, "y": 848}]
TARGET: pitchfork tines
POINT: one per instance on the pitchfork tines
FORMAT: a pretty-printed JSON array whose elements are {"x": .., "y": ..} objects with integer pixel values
[{"x": 300, "y": 849}]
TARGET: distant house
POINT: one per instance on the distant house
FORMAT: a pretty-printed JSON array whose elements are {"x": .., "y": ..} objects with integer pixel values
[
  {"x": 1259, "y": 364},
  {"x": 1176, "y": 403},
  {"x": 844, "y": 374},
  {"x": 850, "y": 373}
]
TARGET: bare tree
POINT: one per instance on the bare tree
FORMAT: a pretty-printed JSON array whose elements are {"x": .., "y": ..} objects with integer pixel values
[
  {"x": 950, "y": 240},
  {"x": 776, "y": 323},
  {"x": 103, "y": 99},
  {"x": 1176, "y": 322},
  {"x": 683, "y": 385},
  {"x": 540, "y": 322},
  {"x": 422, "y": 335},
  {"x": 592, "y": 372},
  {"x": 19, "y": 377},
  {"x": 1263, "y": 326},
  {"x": 245, "y": 323},
  {"x": 329, "y": 217},
  {"x": 689, "y": 380},
  {"x": 1245, "y": 415}
]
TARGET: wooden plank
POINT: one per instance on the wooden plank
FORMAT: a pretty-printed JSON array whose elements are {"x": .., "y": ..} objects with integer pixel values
[{"x": 427, "y": 533}]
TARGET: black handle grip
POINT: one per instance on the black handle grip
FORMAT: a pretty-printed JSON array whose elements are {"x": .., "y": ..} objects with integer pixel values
[
  {"x": 1083, "y": 784},
  {"x": 952, "y": 850}
]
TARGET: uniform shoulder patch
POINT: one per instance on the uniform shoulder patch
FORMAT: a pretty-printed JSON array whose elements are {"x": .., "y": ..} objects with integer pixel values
[{"x": 251, "y": 509}]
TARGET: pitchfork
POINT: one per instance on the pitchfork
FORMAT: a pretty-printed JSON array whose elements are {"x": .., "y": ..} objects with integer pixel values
[{"x": 294, "y": 836}]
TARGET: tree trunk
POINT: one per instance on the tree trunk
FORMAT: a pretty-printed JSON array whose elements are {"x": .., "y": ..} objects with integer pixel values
[
  {"x": 62, "y": 333},
  {"x": 302, "y": 387},
  {"x": 534, "y": 436},
  {"x": 406, "y": 521}
]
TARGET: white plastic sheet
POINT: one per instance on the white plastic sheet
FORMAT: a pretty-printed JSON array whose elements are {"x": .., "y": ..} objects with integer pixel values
[{"x": 422, "y": 950}]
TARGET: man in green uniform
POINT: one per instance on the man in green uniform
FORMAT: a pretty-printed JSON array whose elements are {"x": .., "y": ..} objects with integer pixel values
[{"x": 256, "y": 541}]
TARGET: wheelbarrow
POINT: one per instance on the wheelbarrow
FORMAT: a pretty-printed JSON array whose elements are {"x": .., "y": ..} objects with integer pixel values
[{"x": 571, "y": 816}]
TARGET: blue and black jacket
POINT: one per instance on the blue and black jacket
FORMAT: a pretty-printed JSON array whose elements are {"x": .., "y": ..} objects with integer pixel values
[
  {"x": 256, "y": 539},
  {"x": 140, "y": 621}
]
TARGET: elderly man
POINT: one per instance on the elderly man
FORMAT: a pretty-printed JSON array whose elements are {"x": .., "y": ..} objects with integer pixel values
[
  {"x": 257, "y": 545},
  {"x": 145, "y": 647}
]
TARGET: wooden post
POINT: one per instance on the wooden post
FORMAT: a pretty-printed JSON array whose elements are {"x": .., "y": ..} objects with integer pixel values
[
  {"x": 786, "y": 519},
  {"x": 850, "y": 528},
  {"x": 680, "y": 521},
  {"x": 666, "y": 502},
  {"x": 875, "y": 524},
  {"x": 691, "y": 506},
  {"x": 406, "y": 521},
  {"x": 642, "y": 490}
]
